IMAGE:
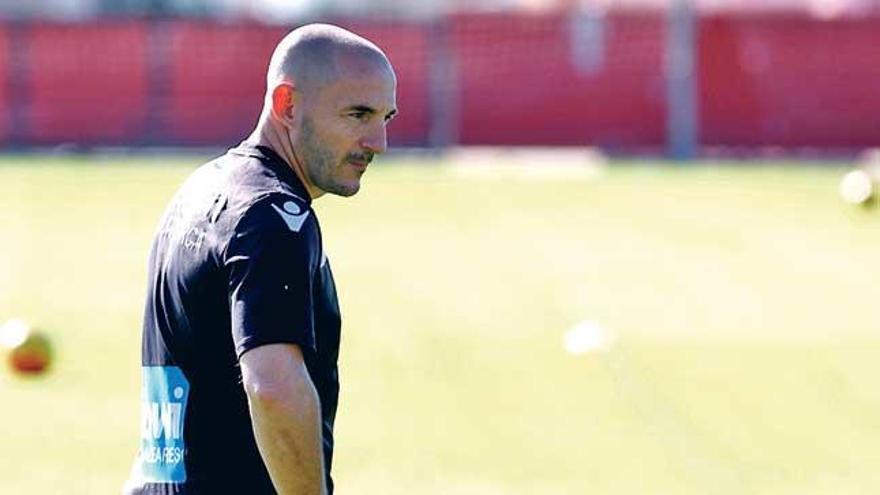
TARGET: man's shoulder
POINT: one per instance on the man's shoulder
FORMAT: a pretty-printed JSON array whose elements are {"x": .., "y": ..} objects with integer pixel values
[
  {"x": 246, "y": 182},
  {"x": 257, "y": 179},
  {"x": 277, "y": 212},
  {"x": 240, "y": 197},
  {"x": 277, "y": 226}
]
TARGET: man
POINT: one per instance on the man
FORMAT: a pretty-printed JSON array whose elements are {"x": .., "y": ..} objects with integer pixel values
[{"x": 241, "y": 327}]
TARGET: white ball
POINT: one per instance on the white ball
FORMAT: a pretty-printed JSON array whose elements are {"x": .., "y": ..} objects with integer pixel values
[
  {"x": 587, "y": 336},
  {"x": 13, "y": 333},
  {"x": 856, "y": 187}
]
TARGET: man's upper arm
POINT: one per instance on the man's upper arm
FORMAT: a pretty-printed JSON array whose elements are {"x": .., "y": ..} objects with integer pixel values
[
  {"x": 273, "y": 370},
  {"x": 270, "y": 269}
]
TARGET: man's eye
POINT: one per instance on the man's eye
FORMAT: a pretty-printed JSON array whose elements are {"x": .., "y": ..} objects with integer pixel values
[{"x": 359, "y": 115}]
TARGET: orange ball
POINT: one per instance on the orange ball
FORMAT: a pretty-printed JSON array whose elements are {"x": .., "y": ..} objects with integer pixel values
[
  {"x": 29, "y": 351},
  {"x": 33, "y": 356}
]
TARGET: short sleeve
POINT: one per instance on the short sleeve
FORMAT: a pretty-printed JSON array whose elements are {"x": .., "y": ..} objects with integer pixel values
[{"x": 271, "y": 261}]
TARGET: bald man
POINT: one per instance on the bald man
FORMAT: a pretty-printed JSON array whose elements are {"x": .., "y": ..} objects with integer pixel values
[{"x": 241, "y": 326}]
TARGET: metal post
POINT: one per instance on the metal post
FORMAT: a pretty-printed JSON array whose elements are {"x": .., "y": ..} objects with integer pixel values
[
  {"x": 682, "y": 116},
  {"x": 442, "y": 88},
  {"x": 18, "y": 86},
  {"x": 156, "y": 131}
]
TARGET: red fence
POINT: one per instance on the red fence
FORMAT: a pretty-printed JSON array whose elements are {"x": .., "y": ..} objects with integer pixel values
[
  {"x": 520, "y": 82},
  {"x": 4, "y": 93},
  {"x": 790, "y": 81},
  {"x": 511, "y": 79},
  {"x": 85, "y": 84}
]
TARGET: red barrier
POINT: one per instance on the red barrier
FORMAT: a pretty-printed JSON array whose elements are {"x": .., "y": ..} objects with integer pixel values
[
  {"x": 5, "y": 102},
  {"x": 515, "y": 80},
  {"x": 790, "y": 81},
  {"x": 522, "y": 82},
  {"x": 86, "y": 83},
  {"x": 217, "y": 78}
]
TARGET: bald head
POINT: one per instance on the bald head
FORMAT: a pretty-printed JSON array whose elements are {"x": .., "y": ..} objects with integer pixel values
[
  {"x": 330, "y": 95},
  {"x": 315, "y": 54}
]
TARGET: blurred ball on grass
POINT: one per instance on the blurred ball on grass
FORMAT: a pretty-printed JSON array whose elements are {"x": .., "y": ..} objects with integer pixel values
[
  {"x": 858, "y": 188},
  {"x": 28, "y": 351},
  {"x": 587, "y": 337}
]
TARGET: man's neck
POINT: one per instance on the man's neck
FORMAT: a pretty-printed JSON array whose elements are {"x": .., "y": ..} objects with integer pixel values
[{"x": 273, "y": 135}]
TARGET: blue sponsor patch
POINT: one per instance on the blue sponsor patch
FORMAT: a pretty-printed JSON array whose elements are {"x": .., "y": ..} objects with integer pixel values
[{"x": 163, "y": 409}]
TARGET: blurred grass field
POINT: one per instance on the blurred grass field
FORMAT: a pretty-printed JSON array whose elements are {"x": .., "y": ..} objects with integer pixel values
[{"x": 744, "y": 301}]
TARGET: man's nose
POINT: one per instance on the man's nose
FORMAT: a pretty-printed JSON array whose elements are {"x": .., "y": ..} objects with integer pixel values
[{"x": 376, "y": 141}]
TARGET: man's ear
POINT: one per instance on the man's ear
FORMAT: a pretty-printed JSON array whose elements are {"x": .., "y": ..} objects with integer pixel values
[{"x": 283, "y": 100}]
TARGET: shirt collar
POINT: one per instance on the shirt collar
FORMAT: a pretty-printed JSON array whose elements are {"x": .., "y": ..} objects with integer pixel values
[{"x": 277, "y": 164}]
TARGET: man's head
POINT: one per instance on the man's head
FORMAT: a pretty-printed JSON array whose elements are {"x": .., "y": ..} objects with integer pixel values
[{"x": 330, "y": 94}]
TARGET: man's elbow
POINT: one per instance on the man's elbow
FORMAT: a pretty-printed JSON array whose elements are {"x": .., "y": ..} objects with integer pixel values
[
  {"x": 265, "y": 392},
  {"x": 290, "y": 391}
]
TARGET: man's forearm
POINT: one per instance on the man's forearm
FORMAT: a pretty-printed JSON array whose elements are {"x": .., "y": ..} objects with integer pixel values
[{"x": 287, "y": 427}]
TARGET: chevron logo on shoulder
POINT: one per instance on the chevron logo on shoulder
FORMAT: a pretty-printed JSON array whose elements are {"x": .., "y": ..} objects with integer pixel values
[{"x": 293, "y": 215}]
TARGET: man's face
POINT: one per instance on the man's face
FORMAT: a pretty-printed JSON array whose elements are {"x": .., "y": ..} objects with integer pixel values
[{"x": 342, "y": 127}]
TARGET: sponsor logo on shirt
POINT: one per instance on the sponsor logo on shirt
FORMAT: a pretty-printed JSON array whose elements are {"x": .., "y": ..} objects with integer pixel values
[{"x": 163, "y": 409}]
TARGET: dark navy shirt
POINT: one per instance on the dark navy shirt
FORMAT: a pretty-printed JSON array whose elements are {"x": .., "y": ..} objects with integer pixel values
[{"x": 237, "y": 263}]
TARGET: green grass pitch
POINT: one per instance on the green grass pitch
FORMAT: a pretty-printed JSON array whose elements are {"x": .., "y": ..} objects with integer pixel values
[{"x": 743, "y": 299}]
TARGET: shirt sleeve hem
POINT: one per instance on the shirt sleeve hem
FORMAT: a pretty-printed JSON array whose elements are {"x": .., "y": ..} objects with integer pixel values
[{"x": 254, "y": 342}]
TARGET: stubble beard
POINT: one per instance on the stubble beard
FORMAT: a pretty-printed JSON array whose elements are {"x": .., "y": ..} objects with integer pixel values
[{"x": 320, "y": 164}]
